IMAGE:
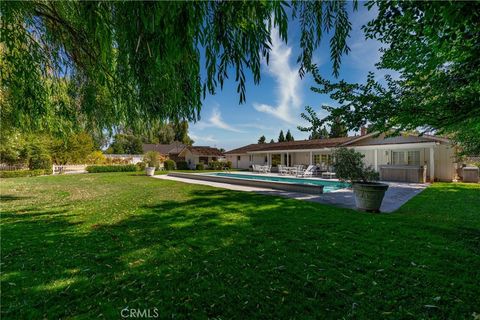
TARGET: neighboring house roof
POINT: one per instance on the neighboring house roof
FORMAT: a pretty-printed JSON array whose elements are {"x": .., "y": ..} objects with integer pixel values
[
  {"x": 293, "y": 145},
  {"x": 205, "y": 151},
  {"x": 365, "y": 140},
  {"x": 172, "y": 148}
]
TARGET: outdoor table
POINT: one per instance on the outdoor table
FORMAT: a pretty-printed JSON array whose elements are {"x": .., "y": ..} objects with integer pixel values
[{"x": 328, "y": 175}]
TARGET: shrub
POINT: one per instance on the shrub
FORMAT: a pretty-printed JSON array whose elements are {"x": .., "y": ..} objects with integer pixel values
[
  {"x": 141, "y": 166},
  {"x": 228, "y": 164},
  {"x": 169, "y": 164},
  {"x": 349, "y": 166},
  {"x": 21, "y": 173},
  {"x": 182, "y": 165},
  {"x": 200, "y": 166},
  {"x": 215, "y": 165},
  {"x": 151, "y": 158},
  {"x": 96, "y": 157},
  {"x": 120, "y": 168},
  {"x": 40, "y": 159}
]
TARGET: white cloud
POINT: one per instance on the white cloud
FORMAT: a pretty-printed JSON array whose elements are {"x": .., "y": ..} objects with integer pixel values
[
  {"x": 287, "y": 80},
  {"x": 197, "y": 138},
  {"x": 216, "y": 121}
]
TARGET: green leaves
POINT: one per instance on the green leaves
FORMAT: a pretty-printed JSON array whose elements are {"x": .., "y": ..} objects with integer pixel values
[
  {"x": 434, "y": 47},
  {"x": 132, "y": 64}
]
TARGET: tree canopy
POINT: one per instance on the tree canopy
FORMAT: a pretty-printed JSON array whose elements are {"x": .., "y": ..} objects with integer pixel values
[
  {"x": 434, "y": 46},
  {"x": 317, "y": 128},
  {"x": 262, "y": 139},
  {"x": 281, "y": 137},
  {"x": 126, "y": 144},
  {"x": 134, "y": 64},
  {"x": 338, "y": 128},
  {"x": 289, "y": 136}
]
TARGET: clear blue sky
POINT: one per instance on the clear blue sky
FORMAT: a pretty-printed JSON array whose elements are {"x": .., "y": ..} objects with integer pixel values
[{"x": 277, "y": 102}]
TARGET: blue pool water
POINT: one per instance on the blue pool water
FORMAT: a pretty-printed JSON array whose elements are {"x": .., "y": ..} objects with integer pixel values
[{"x": 328, "y": 186}]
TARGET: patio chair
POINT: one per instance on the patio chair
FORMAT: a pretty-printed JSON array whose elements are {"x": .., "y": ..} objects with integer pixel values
[
  {"x": 268, "y": 169},
  {"x": 307, "y": 172},
  {"x": 282, "y": 170}
]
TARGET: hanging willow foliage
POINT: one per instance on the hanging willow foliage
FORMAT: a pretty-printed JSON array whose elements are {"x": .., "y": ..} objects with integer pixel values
[{"x": 107, "y": 63}]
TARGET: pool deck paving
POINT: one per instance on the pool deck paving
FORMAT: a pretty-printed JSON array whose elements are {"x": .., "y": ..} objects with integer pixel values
[{"x": 397, "y": 194}]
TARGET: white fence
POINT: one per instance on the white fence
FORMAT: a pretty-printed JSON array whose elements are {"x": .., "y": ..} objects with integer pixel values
[
  {"x": 129, "y": 158},
  {"x": 69, "y": 168}
]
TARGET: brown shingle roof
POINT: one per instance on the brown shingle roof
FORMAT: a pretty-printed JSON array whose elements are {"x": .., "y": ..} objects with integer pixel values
[
  {"x": 293, "y": 145},
  {"x": 205, "y": 151}
]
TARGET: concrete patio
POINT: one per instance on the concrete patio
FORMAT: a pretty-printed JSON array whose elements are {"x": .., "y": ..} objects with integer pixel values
[{"x": 397, "y": 194}]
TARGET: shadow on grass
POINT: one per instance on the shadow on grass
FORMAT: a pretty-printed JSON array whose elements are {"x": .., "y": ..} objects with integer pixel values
[
  {"x": 9, "y": 197},
  {"x": 230, "y": 255}
]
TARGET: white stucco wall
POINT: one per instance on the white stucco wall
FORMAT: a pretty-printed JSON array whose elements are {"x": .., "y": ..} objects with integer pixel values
[{"x": 243, "y": 163}]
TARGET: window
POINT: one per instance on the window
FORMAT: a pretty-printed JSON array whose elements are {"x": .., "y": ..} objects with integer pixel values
[
  {"x": 250, "y": 158},
  {"x": 326, "y": 159},
  {"x": 414, "y": 158},
  {"x": 406, "y": 158},
  {"x": 316, "y": 159},
  {"x": 238, "y": 158}
]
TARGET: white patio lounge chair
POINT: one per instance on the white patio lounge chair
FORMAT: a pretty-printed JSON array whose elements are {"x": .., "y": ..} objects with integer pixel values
[
  {"x": 307, "y": 172},
  {"x": 282, "y": 170}
]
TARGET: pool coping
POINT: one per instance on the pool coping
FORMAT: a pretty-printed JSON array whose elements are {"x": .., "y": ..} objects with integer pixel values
[{"x": 285, "y": 186}]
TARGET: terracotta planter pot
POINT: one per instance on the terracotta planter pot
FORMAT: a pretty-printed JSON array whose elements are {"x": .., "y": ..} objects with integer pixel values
[
  {"x": 150, "y": 171},
  {"x": 369, "y": 196}
]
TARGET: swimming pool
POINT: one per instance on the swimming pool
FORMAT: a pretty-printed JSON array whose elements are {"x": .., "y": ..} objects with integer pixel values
[{"x": 328, "y": 186}]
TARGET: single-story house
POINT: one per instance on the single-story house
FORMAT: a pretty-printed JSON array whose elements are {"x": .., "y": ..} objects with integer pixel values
[
  {"x": 171, "y": 150},
  {"x": 201, "y": 154},
  {"x": 406, "y": 157},
  {"x": 193, "y": 155}
]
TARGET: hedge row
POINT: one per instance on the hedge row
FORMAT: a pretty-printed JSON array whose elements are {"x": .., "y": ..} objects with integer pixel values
[
  {"x": 121, "y": 168},
  {"x": 21, "y": 173}
]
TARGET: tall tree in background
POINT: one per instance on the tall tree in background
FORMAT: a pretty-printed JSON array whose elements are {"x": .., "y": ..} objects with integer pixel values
[
  {"x": 281, "y": 137},
  {"x": 272, "y": 141},
  {"x": 137, "y": 63},
  {"x": 288, "y": 136},
  {"x": 434, "y": 46},
  {"x": 181, "y": 132},
  {"x": 262, "y": 139},
  {"x": 317, "y": 129},
  {"x": 126, "y": 144},
  {"x": 167, "y": 133},
  {"x": 338, "y": 128}
]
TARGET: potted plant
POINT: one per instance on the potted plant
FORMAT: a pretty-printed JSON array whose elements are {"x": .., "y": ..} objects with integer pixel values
[
  {"x": 368, "y": 193},
  {"x": 151, "y": 159}
]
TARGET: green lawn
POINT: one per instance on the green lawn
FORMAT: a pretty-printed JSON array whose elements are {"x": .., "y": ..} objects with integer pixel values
[{"x": 87, "y": 246}]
